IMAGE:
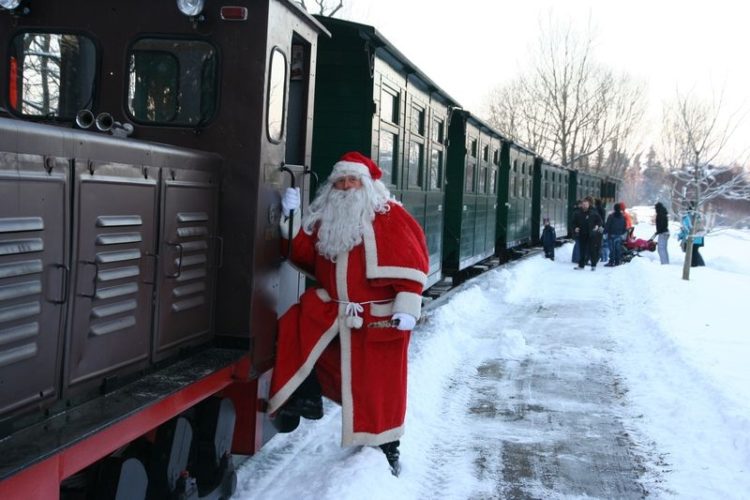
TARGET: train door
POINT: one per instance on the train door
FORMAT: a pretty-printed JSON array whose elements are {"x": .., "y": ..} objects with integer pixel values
[
  {"x": 33, "y": 275},
  {"x": 115, "y": 213},
  {"x": 189, "y": 256},
  {"x": 296, "y": 153}
]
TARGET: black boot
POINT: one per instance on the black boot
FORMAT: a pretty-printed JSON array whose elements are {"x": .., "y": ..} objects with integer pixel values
[
  {"x": 306, "y": 401},
  {"x": 392, "y": 455},
  {"x": 309, "y": 408}
]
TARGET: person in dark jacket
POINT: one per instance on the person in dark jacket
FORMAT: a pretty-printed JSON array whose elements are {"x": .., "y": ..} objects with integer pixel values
[
  {"x": 548, "y": 240},
  {"x": 662, "y": 232},
  {"x": 587, "y": 226},
  {"x": 615, "y": 227},
  {"x": 601, "y": 208},
  {"x": 576, "y": 255}
]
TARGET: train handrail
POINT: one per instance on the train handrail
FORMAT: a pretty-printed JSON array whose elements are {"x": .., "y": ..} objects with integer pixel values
[
  {"x": 96, "y": 278},
  {"x": 293, "y": 184},
  {"x": 177, "y": 273}
]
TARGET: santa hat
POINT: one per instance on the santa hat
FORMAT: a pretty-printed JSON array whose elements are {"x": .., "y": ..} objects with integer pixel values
[{"x": 355, "y": 163}]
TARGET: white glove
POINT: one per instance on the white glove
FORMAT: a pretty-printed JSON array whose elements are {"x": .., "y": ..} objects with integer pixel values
[
  {"x": 290, "y": 201},
  {"x": 405, "y": 321}
]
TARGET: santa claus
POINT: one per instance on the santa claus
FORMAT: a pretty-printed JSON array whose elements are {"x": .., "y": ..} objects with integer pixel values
[{"x": 347, "y": 338}]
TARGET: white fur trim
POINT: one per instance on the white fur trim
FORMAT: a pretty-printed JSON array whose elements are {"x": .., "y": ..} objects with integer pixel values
[
  {"x": 286, "y": 391},
  {"x": 296, "y": 225},
  {"x": 369, "y": 439},
  {"x": 376, "y": 271},
  {"x": 409, "y": 303},
  {"x": 381, "y": 310},
  {"x": 341, "y": 168},
  {"x": 348, "y": 436},
  {"x": 345, "y": 337},
  {"x": 323, "y": 294}
]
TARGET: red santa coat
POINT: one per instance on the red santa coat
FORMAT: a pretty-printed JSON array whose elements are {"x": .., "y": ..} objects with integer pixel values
[{"x": 362, "y": 368}]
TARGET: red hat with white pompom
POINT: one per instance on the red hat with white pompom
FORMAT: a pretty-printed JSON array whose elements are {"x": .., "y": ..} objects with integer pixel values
[{"x": 355, "y": 163}]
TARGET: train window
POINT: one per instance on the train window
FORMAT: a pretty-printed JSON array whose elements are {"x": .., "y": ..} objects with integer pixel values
[
  {"x": 482, "y": 180},
  {"x": 276, "y": 95},
  {"x": 417, "y": 120},
  {"x": 493, "y": 180},
  {"x": 473, "y": 148},
  {"x": 436, "y": 169},
  {"x": 389, "y": 106},
  {"x": 416, "y": 160},
  {"x": 172, "y": 82},
  {"x": 523, "y": 187},
  {"x": 438, "y": 128},
  {"x": 514, "y": 186},
  {"x": 388, "y": 148},
  {"x": 52, "y": 75},
  {"x": 486, "y": 153},
  {"x": 469, "y": 178}
]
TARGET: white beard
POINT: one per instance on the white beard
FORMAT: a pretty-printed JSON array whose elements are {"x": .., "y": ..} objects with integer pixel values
[
  {"x": 342, "y": 221},
  {"x": 340, "y": 216}
]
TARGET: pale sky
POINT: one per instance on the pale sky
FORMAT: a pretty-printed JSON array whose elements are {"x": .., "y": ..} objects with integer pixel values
[{"x": 470, "y": 46}]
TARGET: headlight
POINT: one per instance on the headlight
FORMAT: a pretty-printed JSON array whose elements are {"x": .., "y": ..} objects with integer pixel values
[
  {"x": 188, "y": 7},
  {"x": 10, "y": 4}
]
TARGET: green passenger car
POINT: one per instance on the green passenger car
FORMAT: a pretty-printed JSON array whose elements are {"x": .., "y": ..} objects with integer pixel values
[
  {"x": 471, "y": 193},
  {"x": 550, "y": 198},
  {"x": 580, "y": 186},
  {"x": 370, "y": 98},
  {"x": 610, "y": 186},
  {"x": 515, "y": 197}
]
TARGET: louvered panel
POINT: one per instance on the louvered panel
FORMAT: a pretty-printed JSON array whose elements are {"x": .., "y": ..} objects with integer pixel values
[
  {"x": 111, "y": 325},
  {"x": 186, "y": 279},
  {"x": 33, "y": 201},
  {"x": 182, "y": 291},
  {"x": 118, "y": 238},
  {"x": 107, "y": 327},
  {"x": 116, "y": 291},
  {"x": 26, "y": 245},
  {"x": 17, "y": 354},
  {"x": 120, "y": 256},
  {"x": 113, "y": 309},
  {"x": 185, "y": 305},
  {"x": 118, "y": 220},
  {"x": 20, "y": 332},
  {"x": 21, "y": 224},
  {"x": 187, "y": 232},
  {"x": 23, "y": 289},
  {"x": 21, "y": 268},
  {"x": 20, "y": 301}
]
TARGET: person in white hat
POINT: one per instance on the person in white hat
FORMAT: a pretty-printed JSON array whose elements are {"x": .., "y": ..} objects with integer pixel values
[{"x": 348, "y": 338}]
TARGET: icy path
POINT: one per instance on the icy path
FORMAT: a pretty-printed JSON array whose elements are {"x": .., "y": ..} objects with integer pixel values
[{"x": 511, "y": 394}]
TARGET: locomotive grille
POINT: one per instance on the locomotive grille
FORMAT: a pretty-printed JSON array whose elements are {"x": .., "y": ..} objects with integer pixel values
[
  {"x": 192, "y": 235},
  {"x": 118, "y": 259},
  {"x": 21, "y": 247}
]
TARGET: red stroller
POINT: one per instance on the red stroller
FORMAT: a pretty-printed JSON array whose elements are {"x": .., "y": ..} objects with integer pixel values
[{"x": 634, "y": 246}]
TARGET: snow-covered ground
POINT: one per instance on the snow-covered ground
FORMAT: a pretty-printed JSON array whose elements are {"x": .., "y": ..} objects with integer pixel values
[{"x": 644, "y": 359}]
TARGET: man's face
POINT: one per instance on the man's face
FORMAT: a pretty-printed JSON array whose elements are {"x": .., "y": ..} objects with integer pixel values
[
  {"x": 347, "y": 182},
  {"x": 585, "y": 205}
]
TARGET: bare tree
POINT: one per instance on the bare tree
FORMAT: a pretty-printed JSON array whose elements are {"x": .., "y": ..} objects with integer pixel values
[
  {"x": 323, "y": 7},
  {"x": 569, "y": 107},
  {"x": 695, "y": 134},
  {"x": 513, "y": 109}
]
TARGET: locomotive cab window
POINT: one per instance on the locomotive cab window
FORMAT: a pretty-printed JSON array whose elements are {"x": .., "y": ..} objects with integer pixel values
[
  {"x": 276, "y": 96},
  {"x": 172, "y": 82},
  {"x": 52, "y": 75}
]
